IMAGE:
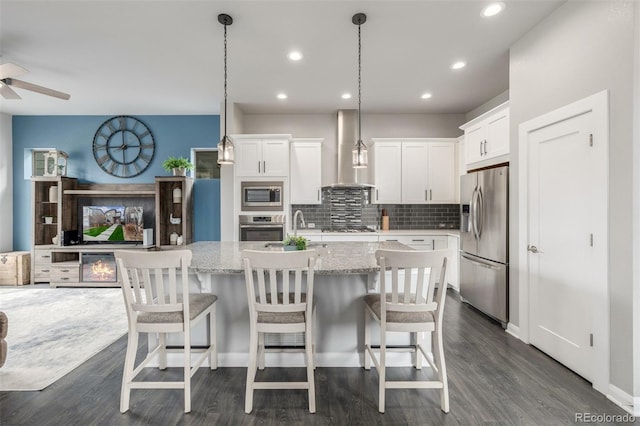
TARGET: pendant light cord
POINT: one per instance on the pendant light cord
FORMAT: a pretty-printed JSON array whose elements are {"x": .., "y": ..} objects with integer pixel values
[
  {"x": 224, "y": 137},
  {"x": 359, "y": 81}
]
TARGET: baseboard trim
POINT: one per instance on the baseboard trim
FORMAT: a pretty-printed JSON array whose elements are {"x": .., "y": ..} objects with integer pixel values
[
  {"x": 513, "y": 330},
  {"x": 289, "y": 359},
  {"x": 625, "y": 401}
]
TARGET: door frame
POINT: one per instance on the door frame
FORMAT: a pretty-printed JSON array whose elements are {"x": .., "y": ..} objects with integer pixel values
[{"x": 598, "y": 104}]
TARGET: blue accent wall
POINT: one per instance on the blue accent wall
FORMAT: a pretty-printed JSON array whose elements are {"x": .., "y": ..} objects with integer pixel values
[{"x": 174, "y": 135}]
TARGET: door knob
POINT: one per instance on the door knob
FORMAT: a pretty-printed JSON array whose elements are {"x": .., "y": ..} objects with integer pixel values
[{"x": 533, "y": 249}]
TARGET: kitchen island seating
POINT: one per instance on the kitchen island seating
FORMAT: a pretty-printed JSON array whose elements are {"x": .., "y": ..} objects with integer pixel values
[
  {"x": 409, "y": 303},
  {"x": 280, "y": 298},
  {"x": 153, "y": 284}
]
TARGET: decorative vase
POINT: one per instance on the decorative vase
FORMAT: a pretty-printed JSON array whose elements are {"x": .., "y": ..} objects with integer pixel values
[
  {"x": 48, "y": 220},
  {"x": 177, "y": 195},
  {"x": 179, "y": 171},
  {"x": 53, "y": 194},
  {"x": 173, "y": 239}
]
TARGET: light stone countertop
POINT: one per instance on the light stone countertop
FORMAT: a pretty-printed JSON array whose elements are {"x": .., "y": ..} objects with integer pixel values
[{"x": 216, "y": 257}]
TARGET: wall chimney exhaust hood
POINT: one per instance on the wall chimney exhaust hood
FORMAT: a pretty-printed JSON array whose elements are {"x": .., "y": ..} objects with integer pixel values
[{"x": 348, "y": 176}]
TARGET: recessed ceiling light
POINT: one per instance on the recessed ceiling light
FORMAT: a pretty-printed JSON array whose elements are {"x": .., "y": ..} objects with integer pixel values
[
  {"x": 458, "y": 65},
  {"x": 282, "y": 96},
  {"x": 294, "y": 55},
  {"x": 492, "y": 9},
  {"x": 346, "y": 96},
  {"x": 426, "y": 95}
]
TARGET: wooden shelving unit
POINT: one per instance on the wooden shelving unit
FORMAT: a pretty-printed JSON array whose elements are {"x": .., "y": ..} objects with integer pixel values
[
  {"x": 62, "y": 265},
  {"x": 168, "y": 208}
]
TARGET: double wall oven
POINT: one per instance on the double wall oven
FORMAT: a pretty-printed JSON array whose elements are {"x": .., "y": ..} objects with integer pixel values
[{"x": 264, "y": 200}]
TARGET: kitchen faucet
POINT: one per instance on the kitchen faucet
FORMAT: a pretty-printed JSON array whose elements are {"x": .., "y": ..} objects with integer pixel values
[{"x": 295, "y": 222}]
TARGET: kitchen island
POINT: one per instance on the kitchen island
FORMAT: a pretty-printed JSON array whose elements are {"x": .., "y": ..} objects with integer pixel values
[{"x": 345, "y": 271}]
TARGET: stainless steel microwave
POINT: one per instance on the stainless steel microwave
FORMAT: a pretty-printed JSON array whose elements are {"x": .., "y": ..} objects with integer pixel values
[{"x": 262, "y": 196}]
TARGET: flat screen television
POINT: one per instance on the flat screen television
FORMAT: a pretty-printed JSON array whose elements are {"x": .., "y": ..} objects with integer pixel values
[{"x": 112, "y": 224}]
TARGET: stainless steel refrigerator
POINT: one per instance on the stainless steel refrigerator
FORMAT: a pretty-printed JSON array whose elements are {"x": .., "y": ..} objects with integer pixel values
[{"x": 484, "y": 241}]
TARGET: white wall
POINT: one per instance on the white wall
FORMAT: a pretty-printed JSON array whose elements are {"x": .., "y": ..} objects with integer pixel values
[
  {"x": 581, "y": 49},
  {"x": 636, "y": 218},
  {"x": 6, "y": 184},
  {"x": 490, "y": 104}
]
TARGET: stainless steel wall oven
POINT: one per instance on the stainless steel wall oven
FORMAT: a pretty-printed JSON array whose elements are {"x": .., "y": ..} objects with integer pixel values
[{"x": 262, "y": 228}]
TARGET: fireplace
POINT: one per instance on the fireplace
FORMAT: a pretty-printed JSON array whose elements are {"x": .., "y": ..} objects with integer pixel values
[{"x": 99, "y": 267}]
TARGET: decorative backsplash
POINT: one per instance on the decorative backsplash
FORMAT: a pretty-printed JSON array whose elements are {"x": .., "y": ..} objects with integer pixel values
[{"x": 349, "y": 206}]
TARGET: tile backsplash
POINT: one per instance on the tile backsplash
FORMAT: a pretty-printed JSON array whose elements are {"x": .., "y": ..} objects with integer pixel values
[{"x": 349, "y": 206}]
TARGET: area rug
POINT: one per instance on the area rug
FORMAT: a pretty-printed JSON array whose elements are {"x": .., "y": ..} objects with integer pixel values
[{"x": 54, "y": 330}]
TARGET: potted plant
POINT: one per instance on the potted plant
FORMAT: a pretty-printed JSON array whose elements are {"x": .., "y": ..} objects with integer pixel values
[
  {"x": 177, "y": 165},
  {"x": 295, "y": 243}
]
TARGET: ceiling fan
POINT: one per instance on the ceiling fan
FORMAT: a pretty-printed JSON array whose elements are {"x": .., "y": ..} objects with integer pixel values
[{"x": 9, "y": 71}]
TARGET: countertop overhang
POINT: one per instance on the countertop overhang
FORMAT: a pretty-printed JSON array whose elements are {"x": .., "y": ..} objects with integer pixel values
[{"x": 222, "y": 257}]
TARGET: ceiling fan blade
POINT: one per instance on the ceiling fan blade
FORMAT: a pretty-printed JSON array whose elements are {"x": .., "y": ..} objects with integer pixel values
[
  {"x": 35, "y": 88},
  {"x": 7, "y": 92},
  {"x": 10, "y": 70}
]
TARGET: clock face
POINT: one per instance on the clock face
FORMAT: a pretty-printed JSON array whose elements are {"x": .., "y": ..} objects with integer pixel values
[{"x": 123, "y": 146}]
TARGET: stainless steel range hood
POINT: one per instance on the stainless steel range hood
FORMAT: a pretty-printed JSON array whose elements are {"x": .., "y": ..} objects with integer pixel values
[{"x": 347, "y": 136}]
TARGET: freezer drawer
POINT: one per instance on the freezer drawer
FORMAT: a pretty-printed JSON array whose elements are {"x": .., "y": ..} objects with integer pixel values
[{"x": 484, "y": 285}]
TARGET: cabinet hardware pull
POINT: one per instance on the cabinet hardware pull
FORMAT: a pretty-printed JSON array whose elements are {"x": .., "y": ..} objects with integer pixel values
[
  {"x": 264, "y": 167},
  {"x": 377, "y": 195},
  {"x": 426, "y": 195},
  {"x": 430, "y": 195},
  {"x": 481, "y": 142},
  {"x": 45, "y": 270},
  {"x": 485, "y": 147},
  {"x": 318, "y": 195},
  {"x": 418, "y": 240},
  {"x": 258, "y": 167}
]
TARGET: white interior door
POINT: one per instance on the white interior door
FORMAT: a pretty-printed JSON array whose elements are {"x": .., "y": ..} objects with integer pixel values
[{"x": 567, "y": 242}]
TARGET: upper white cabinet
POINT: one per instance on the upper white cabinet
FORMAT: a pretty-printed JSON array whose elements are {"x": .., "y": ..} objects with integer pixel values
[
  {"x": 487, "y": 136},
  {"x": 306, "y": 171},
  {"x": 387, "y": 172},
  {"x": 415, "y": 171},
  {"x": 261, "y": 155}
]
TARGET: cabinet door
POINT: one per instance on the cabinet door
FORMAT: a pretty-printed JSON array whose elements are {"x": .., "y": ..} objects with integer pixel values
[
  {"x": 415, "y": 172},
  {"x": 474, "y": 143},
  {"x": 441, "y": 172},
  {"x": 248, "y": 157},
  {"x": 497, "y": 142},
  {"x": 388, "y": 172},
  {"x": 275, "y": 158},
  {"x": 306, "y": 172}
]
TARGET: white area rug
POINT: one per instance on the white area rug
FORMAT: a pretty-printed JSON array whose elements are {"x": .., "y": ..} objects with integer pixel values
[{"x": 54, "y": 330}]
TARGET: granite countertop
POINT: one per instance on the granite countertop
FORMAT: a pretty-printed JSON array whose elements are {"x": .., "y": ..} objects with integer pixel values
[{"x": 216, "y": 257}]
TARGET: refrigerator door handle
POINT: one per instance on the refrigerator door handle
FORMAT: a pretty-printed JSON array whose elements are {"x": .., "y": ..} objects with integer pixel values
[
  {"x": 474, "y": 213},
  {"x": 481, "y": 264},
  {"x": 479, "y": 213}
]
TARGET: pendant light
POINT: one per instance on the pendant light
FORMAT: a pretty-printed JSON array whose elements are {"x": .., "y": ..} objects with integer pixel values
[
  {"x": 225, "y": 146},
  {"x": 359, "y": 158}
]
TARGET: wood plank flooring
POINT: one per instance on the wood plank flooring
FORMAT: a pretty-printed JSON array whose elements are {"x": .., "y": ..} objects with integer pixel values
[{"x": 494, "y": 379}]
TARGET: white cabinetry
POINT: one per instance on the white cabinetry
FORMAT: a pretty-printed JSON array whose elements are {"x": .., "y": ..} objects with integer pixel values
[
  {"x": 261, "y": 155},
  {"x": 306, "y": 171},
  {"x": 487, "y": 137},
  {"x": 415, "y": 171},
  {"x": 387, "y": 172}
]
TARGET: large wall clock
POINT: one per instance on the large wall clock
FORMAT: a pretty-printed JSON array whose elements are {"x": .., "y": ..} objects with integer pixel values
[{"x": 123, "y": 146}]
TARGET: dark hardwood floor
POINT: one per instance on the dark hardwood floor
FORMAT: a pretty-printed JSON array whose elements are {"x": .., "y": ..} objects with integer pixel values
[{"x": 494, "y": 379}]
